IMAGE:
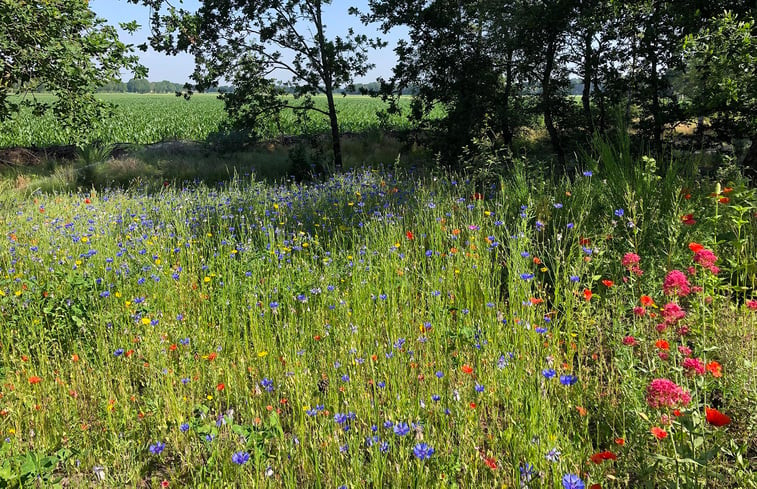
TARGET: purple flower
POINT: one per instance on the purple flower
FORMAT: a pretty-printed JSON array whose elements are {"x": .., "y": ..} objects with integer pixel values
[
  {"x": 157, "y": 448},
  {"x": 240, "y": 458},
  {"x": 572, "y": 481},
  {"x": 568, "y": 379},
  {"x": 422, "y": 451}
]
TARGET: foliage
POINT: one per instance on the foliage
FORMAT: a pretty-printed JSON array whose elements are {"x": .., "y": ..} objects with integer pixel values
[
  {"x": 61, "y": 46},
  {"x": 722, "y": 78},
  {"x": 250, "y": 334},
  {"x": 247, "y": 43}
]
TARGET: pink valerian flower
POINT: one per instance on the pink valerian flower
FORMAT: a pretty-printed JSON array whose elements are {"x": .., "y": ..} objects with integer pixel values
[
  {"x": 683, "y": 330},
  {"x": 629, "y": 341},
  {"x": 697, "y": 289},
  {"x": 684, "y": 350},
  {"x": 660, "y": 327},
  {"x": 630, "y": 259},
  {"x": 693, "y": 366},
  {"x": 663, "y": 393},
  {"x": 691, "y": 271},
  {"x": 639, "y": 311},
  {"x": 752, "y": 304},
  {"x": 705, "y": 257},
  {"x": 673, "y": 313},
  {"x": 676, "y": 283}
]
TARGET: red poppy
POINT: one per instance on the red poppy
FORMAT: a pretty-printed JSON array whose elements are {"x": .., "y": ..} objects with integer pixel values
[
  {"x": 477, "y": 196},
  {"x": 658, "y": 432},
  {"x": 715, "y": 417},
  {"x": 409, "y": 235},
  {"x": 695, "y": 247},
  {"x": 662, "y": 345},
  {"x": 715, "y": 369},
  {"x": 584, "y": 241},
  {"x": 587, "y": 294},
  {"x": 724, "y": 200},
  {"x": 87, "y": 201},
  {"x": 35, "y": 380},
  {"x": 600, "y": 457},
  {"x": 620, "y": 441},
  {"x": 220, "y": 386},
  {"x": 646, "y": 300},
  {"x": 688, "y": 219},
  {"x": 491, "y": 462},
  {"x": 608, "y": 283},
  {"x": 595, "y": 486},
  {"x": 473, "y": 405},
  {"x": 467, "y": 369}
]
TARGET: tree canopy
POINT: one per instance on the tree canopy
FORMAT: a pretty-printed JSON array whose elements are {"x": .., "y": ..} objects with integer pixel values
[
  {"x": 247, "y": 43},
  {"x": 62, "y": 46}
]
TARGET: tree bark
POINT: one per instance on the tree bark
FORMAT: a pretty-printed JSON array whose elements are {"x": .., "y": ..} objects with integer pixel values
[
  {"x": 546, "y": 88},
  {"x": 750, "y": 161},
  {"x": 507, "y": 129},
  {"x": 587, "y": 77},
  {"x": 326, "y": 75}
]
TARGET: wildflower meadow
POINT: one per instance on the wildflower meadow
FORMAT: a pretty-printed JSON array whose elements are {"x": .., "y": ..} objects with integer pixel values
[{"x": 382, "y": 328}]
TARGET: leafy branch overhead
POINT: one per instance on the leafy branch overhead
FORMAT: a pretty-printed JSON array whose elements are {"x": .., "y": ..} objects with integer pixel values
[
  {"x": 250, "y": 44},
  {"x": 62, "y": 47}
]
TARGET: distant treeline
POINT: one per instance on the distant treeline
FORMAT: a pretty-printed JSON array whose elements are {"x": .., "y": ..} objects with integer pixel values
[{"x": 141, "y": 85}]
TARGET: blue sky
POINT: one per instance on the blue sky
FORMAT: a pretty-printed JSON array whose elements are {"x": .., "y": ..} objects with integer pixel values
[{"x": 178, "y": 68}]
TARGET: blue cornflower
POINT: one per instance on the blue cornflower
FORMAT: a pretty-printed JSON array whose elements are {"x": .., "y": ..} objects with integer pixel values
[
  {"x": 479, "y": 388},
  {"x": 588, "y": 173},
  {"x": 526, "y": 276},
  {"x": 184, "y": 341},
  {"x": 435, "y": 398},
  {"x": 118, "y": 352},
  {"x": 548, "y": 373},
  {"x": 619, "y": 212},
  {"x": 568, "y": 379},
  {"x": 422, "y": 451},
  {"x": 572, "y": 481},
  {"x": 274, "y": 305},
  {"x": 384, "y": 447},
  {"x": 439, "y": 374},
  {"x": 381, "y": 384},
  {"x": 558, "y": 205},
  {"x": 388, "y": 424},
  {"x": 574, "y": 278},
  {"x": 570, "y": 225},
  {"x": 525, "y": 254},
  {"x": 540, "y": 330},
  {"x": 184, "y": 427},
  {"x": 527, "y": 473},
  {"x": 240, "y": 458},
  {"x": 345, "y": 378},
  {"x": 401, "y": 429},
  {"x": 553, "y": 455},
  {"x": 341, "y": 418},
  {"x": 157, "y": 448},
  {"x": 267, "y": 384}
]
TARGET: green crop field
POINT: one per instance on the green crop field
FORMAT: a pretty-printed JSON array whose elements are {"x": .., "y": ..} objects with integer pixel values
[{"x": 145, "y": 119}]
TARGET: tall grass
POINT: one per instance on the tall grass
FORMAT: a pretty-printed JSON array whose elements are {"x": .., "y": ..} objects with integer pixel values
[{"x": 332, "y": 334}]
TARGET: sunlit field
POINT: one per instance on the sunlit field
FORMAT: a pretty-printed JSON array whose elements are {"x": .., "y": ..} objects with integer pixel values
[
  {"x": 151, "y": 118},
  {"x": 381, "y": 329}
]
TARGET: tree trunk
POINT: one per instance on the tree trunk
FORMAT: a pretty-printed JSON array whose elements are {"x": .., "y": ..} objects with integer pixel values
[
  {"x": 507, "y": 129},
  {"x": 750, "y": 161},
  {"x": 588, "y": 69},
  {"x": 336, "y": 142},
  {"x": 656, "y": 110},
  {"x": 546, "y": 88},
  {"x": 326, "y": 75}
]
